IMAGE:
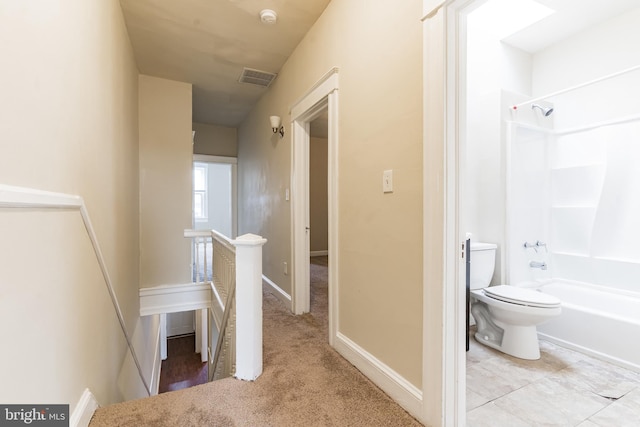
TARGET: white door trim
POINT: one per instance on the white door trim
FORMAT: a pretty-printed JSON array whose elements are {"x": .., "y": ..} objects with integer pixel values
[
  {"x": 447, "y": 51},
  {"x": 233, "y": 161},
  {"x": 206, "y": 158},
  {"x": 322, "y": 95}
]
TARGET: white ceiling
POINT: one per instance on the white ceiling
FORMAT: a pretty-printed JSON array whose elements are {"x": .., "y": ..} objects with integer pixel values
[
  {"x": 571, "y": 17},
  {"x": 208, "y": 42}
]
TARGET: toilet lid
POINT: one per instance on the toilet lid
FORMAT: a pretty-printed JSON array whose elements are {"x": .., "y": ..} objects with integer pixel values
[{"x": 521, "y": 296}]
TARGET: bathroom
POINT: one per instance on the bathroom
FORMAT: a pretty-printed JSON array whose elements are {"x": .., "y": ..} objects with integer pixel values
[{"x": 556, "y": 190}]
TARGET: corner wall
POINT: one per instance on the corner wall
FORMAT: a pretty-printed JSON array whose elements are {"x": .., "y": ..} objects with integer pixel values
[
  {"x": 215, "y": 140},
  {"x": 69, "y": 124},
  {"x": 166, "y": 155}
]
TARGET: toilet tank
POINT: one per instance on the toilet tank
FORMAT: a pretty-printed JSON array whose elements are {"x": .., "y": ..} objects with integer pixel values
[{"x": 483, "y": 262}]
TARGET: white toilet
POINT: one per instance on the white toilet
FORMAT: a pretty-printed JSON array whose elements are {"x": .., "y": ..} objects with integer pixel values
[{"x": 506, "y": 316}]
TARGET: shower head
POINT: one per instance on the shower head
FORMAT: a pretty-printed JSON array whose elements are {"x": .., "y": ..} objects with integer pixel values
[{"x": 546, "y": 111}]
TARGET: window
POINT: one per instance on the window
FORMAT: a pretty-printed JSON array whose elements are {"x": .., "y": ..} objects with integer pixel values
[{"x": 200, "y": 211}]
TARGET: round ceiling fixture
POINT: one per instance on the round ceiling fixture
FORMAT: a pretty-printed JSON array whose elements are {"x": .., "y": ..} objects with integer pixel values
[{"x": 268, "y": 16}]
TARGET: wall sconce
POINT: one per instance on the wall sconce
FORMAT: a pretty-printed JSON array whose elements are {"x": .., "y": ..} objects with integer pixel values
[{"x": 276, "y": 126}]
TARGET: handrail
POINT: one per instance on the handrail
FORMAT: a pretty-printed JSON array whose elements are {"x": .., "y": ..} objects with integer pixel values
[
  {"x": 21, "y": 197},
  {"x": 229, "y": 243}
]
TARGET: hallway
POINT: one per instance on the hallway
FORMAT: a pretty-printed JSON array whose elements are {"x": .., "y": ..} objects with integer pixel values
[{"x": 305, "y": 382}]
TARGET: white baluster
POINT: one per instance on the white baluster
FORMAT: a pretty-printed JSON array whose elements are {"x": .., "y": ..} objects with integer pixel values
[
  {"x": 196, "y": 242},
  {"x": 205, "y": 241}
]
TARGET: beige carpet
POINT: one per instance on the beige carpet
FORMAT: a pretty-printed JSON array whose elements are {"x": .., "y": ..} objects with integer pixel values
[{"x": 304, "y": 383}]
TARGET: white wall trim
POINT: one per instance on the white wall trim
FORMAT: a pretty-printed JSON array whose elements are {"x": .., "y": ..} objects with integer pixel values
[
  {"x": 444, "y": 35},
  {"x": 279, "y": 293},
  {"x": 206, "y": 158},
  {"x": 84, "y": 410},
  {"x": 204, "y": 335},
  {"x": 20, "y": 197},
  {"x": 326, "y": 84},
  {"x": 319, "y": 253},
  {"x": 174, "y": 298},
  {"x": 154, "y": 383},
  {"x": 163, "y": 336},
  {"x": 431, "y": 7},
  {"x": 395, "y": 385},
  {"x": 300, "y": 287}
]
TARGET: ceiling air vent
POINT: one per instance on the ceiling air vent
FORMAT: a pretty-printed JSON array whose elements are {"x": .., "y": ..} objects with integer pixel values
[{"x": 256, "y": 77}]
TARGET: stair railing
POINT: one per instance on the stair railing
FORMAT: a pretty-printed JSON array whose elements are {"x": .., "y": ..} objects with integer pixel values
[
  {"x": 20, "y": 197},
  {"x": 235, "y": 315}
]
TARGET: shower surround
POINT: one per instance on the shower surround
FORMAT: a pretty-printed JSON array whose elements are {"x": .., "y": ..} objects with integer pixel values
[
  {"x": 565, "y": 183},
  {"x": 574, "y": 186}
]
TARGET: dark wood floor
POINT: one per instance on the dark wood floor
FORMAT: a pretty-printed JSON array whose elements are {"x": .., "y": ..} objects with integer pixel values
[{"x": 183, "y": 367}]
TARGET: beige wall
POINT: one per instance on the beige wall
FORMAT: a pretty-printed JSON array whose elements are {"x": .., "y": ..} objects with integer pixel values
[
  {"x": 378, "y": 49},
  {"x": 318, "y": 206},
  {"x": 165, "y": 181},
  {"x": 215, "y": 140},
  {"x": 68, "y": 123}
]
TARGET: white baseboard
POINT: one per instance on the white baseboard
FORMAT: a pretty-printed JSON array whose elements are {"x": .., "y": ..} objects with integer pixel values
[
  {"x": 282, "y": 295},
  {"x": 84, "y": 410},
  {"x": 319, "y": 253},
  {"x": 397, "y": 387}
]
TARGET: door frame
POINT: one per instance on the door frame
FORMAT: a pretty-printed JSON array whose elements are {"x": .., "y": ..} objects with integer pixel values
[
  {"x": 444, "y": 91},
  {"x": 320, "y": 97},
  {"x": 233, "y": 161}
]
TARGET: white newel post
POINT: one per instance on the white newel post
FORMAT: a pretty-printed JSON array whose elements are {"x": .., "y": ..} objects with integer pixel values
[{"x": 249, "y": 306}]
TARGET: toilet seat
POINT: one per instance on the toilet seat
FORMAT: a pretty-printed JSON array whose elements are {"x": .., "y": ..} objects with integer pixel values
[{"x": 520, "y": 296}]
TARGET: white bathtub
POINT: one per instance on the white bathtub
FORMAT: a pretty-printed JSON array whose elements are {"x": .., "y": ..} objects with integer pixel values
[{"x": 595, "y": 320}]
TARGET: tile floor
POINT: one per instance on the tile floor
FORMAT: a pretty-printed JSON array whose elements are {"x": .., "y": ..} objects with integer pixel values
[{"x": 562, "y": 388}]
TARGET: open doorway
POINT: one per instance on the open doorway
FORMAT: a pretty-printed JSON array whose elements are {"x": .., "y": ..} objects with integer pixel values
[
  {"x": 322, "y": 99},
  {"x": 537, "y": 79},
  {"x": 214, "y": 194},
  {"x": 319, "y": 219}
]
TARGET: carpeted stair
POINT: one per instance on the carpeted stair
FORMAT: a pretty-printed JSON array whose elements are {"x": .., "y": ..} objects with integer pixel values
[{"x": 304, "y": 383}]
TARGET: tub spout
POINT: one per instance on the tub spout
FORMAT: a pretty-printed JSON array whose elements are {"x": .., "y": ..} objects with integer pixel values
[{"x": 540, "y": 265}]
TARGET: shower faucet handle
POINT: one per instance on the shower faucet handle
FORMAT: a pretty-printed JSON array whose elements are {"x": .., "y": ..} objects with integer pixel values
[
  {"x": 528, "y": 245},
  {"x": 540, "y": 244}
]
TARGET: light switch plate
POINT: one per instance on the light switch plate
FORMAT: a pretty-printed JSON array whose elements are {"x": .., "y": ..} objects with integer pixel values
[{"x": 387, "y": 181}]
